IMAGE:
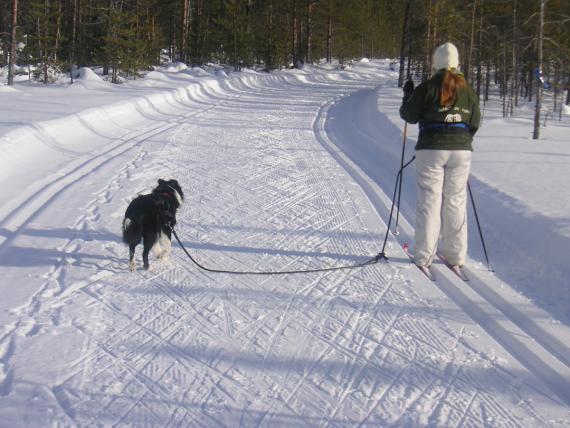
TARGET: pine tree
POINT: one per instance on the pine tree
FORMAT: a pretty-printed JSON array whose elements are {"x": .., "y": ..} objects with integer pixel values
[
  {"x": 236, "y": 40},
  {"x": 44, "y": 39},
  {"x": 496, "y": 40}
]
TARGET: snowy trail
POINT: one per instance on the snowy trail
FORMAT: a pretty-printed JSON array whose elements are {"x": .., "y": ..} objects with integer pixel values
[
  {"x": 525, "y": 336},
  {"x": 266, "y": 188}
]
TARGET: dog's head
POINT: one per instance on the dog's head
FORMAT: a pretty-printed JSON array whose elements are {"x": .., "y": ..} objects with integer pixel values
[{"x": 172, "y": 187}]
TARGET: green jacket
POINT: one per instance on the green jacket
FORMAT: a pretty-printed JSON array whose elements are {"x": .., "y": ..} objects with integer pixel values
[{"x": 442, "y": 128}]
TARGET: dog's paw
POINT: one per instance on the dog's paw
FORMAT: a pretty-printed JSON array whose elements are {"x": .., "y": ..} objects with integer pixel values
[
  {"x": 163, "y": 256},
  {"x": 132, "y": 266}
]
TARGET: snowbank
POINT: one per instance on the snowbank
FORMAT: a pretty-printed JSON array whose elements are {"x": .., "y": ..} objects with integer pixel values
[
  {"x": 156, "y": 75},
  {"x": 38, "y": 150},
  {"x": 6, "y": 89},
  {"x": 175, "y": 67},
  {"x": 88, "y": 75},
  {"x": 199, "y": 72}
]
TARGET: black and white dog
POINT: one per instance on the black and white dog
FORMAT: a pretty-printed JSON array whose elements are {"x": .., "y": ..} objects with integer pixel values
[{"x": 148, "y": 218}]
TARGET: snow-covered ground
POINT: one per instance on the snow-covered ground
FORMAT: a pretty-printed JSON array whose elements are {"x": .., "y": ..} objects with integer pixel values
[{"x": 292, "y": 170}]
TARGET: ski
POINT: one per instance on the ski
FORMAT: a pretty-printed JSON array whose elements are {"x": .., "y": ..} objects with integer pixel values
[
  {"x": 426, "y": 271},
  {"x": 455, "y": 269}
]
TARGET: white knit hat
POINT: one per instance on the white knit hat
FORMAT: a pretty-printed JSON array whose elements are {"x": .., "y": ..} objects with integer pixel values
[{"x": 445, "y": 56}]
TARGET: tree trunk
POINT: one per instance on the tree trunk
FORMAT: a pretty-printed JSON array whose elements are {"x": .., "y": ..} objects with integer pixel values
[
  {"x": 561, "y": 88},
  {"x": 294, "y": 34},
  {"x": 73, "y": 37},
  {"x": 435, "y": 28},
  {"x": 369, "y": 32},
  {"x": 57, "y": 32},
  {"x": 487, "y": 81},
  {"x": 514, "y": 82},
  {"x": 235, "y": 30},
  {"x": 184, "y": 31},
  {"x": 5, "y": 31},
  {"x": 568, "y": 90},
  {"x": 555, "y": 87},
  {"x": 538, "y": 106},
  {"x": 329, "y": 33},
  {"x": 403, "y": 42},
  {"x": 309, "y": 30},
  {"x": 431, "y": 37},
  {"x": 409, "y": 68},
  {"x": 504, "y": 82},
  {"x": 202, "y": 26},
  {"x": 171, "y": 39},
  {"x": 530, "y": 85},
  {"x": 45, "y": 47},
  {"x": 467, "y": 70},
  {"x": 106, "y": 60},
  {"x": 268, "y": 61},
  {"x": 428, "y": 48},
  {"x": 13, "y": 43},
  {"x": 479, "y": 48}
]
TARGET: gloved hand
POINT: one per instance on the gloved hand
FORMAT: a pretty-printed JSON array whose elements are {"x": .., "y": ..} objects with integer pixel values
[{"x": 408, "y": 89}]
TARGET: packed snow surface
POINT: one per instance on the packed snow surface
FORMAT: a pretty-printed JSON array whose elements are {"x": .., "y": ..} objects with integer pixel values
[{"x": 290, "y": 170}]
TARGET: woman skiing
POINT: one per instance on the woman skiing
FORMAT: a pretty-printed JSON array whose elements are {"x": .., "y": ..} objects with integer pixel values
[{"x": 448, "y": 113}]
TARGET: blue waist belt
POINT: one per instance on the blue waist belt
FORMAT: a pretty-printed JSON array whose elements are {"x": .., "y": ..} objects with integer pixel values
[{"x": 442, "y": 125}]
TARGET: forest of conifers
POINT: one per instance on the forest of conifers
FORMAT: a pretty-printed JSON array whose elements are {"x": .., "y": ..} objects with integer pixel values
[{"x": 505, "y": 41}]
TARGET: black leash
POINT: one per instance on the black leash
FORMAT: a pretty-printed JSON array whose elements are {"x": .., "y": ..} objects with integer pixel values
[
  {"x": 380, "y": 256},
  {"x": 371, "y": 261}
]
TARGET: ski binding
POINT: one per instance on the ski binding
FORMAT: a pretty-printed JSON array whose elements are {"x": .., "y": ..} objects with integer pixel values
[
  {"x": 426, "y": 271},
  {"x": 455, "y": 269}
]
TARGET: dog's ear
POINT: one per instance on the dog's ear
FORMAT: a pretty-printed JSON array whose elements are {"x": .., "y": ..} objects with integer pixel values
[
  {"x": 174, "y": 184},
  {"x": 161, "y": 181}
]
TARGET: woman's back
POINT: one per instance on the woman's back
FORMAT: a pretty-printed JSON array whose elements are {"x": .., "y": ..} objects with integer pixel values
[{"x": 447, "y": 125}]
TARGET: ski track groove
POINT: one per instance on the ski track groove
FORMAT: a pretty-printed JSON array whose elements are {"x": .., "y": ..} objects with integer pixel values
[
  {"x": 356, "y": 357},
  {"x": 305, "y": 372},
  {"x": 161, "y": 339},
  {"x": 309, "y": 371}
]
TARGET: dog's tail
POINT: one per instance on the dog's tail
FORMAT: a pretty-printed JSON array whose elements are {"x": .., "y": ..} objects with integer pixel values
[{"x": 132, "y": 231}]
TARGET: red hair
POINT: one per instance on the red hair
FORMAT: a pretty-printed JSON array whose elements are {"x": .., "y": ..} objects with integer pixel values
[{"x": 451, "y": 84}]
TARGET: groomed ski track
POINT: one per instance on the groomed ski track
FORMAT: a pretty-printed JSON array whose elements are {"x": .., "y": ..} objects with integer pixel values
[{"x": 270, "y": 184}]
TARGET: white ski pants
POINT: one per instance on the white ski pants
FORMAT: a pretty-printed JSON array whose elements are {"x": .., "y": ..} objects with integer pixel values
[{"x": 441, "y": 205}]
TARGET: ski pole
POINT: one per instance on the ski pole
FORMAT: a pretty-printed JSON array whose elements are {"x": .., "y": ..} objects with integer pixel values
[
  {"x": 396, "y": 230},
  {"x": 479, "y": 226},
  {"x": 382, "y": 254}
]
